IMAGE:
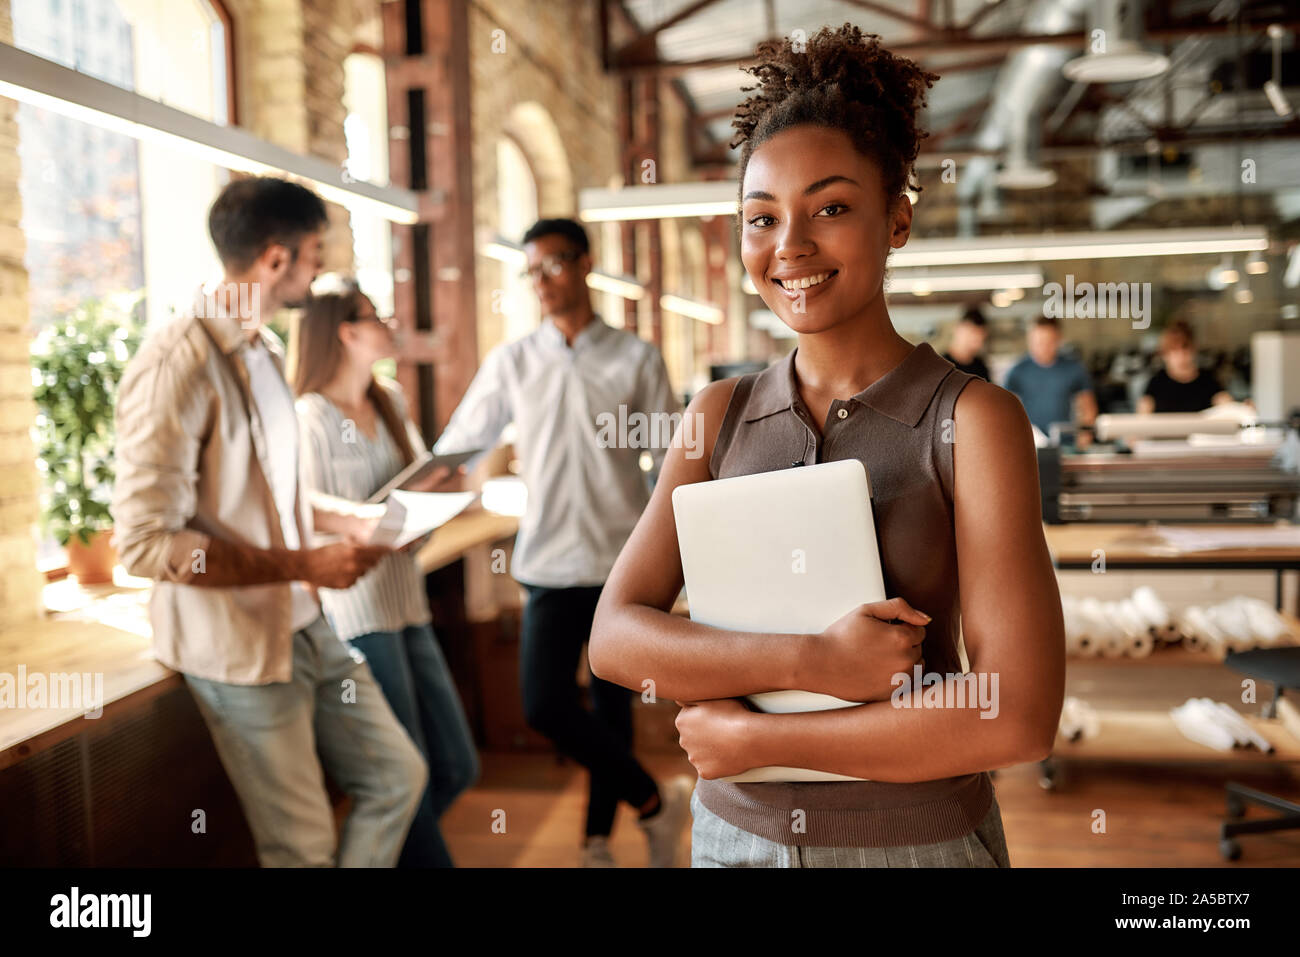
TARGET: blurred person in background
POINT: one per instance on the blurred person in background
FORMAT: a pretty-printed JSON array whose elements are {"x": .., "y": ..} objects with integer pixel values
[
  {"x": 356, "y": 435},
  {"x": 1181, "y": 385},
  {"x": 584, "y": 498},
  {"x": 208, "y": 504},
  {"x": 968, "y": 338},
  {"x": 1052, "y": 387}
]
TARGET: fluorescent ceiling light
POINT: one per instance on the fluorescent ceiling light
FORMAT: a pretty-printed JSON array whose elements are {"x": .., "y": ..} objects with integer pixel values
[
  {"x": 695, "y": 310},
  {"x": 922, "y": 284},
  {"x": 1118, "y": 244},
  {"x": 512, "y": 254},
  {"x": 504, "y": 252},
  {"x": 618, "y": 285},
  {"x": 42, "y": 83},
  {"x": 713, "y": 198}
]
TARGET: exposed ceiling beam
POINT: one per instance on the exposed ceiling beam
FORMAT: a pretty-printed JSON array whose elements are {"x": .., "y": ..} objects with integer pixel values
[
  {"x": 644, "y": 48},
  {"x": 946, "y": 42},
  {"x": 925, "y": 26}
]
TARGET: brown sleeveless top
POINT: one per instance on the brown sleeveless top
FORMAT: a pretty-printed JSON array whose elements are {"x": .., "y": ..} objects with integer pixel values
[{"x": 900, "y": 428}]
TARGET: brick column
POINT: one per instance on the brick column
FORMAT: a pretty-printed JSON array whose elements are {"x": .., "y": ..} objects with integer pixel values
[
  {"x": 290, "y": 73},
  {"x": 20, "y": 593}
]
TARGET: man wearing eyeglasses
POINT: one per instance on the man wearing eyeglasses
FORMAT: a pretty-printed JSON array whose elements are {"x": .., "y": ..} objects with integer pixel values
[{"x": 585, "y": 494}]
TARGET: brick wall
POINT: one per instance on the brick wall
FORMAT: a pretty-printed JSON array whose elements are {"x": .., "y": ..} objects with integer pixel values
[
  {"x": 289, "y": 63},
  {"x": 552, "y": 58},
  {"x": 19, "y": 584}
]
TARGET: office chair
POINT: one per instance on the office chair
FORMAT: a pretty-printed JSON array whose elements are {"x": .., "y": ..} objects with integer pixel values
[{"x": 1281, "y": 666}]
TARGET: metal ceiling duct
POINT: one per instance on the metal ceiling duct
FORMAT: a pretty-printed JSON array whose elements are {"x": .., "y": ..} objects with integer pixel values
[
  {"x": 1030, "y": 80},
  {"x": 1115, "y": 53}
]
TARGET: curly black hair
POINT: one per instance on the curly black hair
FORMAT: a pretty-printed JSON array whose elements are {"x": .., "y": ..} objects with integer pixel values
[{"x": 843, "y": 80}]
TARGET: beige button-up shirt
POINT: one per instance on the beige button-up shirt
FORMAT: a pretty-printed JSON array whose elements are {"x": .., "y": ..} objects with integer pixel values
[{"x": 192, "y": 465}]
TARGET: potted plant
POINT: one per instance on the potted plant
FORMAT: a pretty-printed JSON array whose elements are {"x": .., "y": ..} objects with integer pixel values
[{"x": 77, "y": 363}]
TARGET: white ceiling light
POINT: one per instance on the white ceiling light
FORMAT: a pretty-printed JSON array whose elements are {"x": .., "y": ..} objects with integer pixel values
[
  {"x": 1115, "y": 244},
  {"x": 712, "y": 198},
  {"x": 1115, "y": 54},
  {"x": 1273, "y": 87},
  {"x": 702, "y": 311},
  {"x": 1257, "y": 266},
  {"x": 1124, "y": 62},
  {"x": 1023, "y": 175},
  {"x": 924, "y": 283},
  {"x": 618, "y": 285},
  {"x": 39, "y": 82}
]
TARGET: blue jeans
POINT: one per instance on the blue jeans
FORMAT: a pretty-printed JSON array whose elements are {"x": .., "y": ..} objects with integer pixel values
[{"x": 413, "y": 674}]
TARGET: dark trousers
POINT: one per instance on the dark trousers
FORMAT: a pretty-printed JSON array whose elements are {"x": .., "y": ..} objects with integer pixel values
[{"x": 557, "y": 621}]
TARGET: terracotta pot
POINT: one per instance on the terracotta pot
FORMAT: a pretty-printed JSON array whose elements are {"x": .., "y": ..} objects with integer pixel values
[{"x": 92, "y": 564}]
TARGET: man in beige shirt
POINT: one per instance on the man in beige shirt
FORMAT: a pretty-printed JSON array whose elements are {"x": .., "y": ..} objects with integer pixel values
[{"x": 207, "y": 503}]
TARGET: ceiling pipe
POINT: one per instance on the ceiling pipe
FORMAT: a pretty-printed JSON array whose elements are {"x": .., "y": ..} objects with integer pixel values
[{"x": 1030, "y": 80}]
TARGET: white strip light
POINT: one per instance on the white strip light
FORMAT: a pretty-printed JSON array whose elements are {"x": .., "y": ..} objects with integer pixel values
[
  {"x": 921, "y": 284},
  {"x": 42, "y": 83},
  {"x": 1111, "y": 245},
  {"x": 693, "y": 310},
  {"x": 717, "y": 198},
  {"x": 713, "y": 198},
  {"x": 512, "y": 254}
]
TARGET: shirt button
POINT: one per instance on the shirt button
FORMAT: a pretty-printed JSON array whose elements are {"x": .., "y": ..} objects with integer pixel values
[{"x": 844, "y": 413}]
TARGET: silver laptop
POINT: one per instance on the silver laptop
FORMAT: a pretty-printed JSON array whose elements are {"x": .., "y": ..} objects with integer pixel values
[{"x": 784, "y": 552}]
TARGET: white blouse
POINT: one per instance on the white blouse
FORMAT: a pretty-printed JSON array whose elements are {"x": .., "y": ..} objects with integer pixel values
[{"x": 339, "y": 459}]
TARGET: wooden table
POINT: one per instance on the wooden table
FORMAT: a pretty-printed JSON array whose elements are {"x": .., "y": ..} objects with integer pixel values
[
  {"x": 1139, "y": 547},
  {"x": 101, "y": 631},
  {"x": 470, "y": 529}
]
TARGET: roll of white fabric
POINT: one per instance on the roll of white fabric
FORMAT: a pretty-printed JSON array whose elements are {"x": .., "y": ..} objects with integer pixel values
[
  {"x": 1153, "y": 610},
  {"x": 1162, "y": 425},
  {"x": 1207, "y": 635},
  {"x": 1266, "y": 624},
  {"x": 1198, "y": 723}
]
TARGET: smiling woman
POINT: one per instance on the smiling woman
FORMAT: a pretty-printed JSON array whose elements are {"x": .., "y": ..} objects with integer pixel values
[{"x": 829, "y": 139}]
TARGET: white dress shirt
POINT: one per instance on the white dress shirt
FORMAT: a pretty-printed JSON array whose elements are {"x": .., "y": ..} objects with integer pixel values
[
  {"x": 585, "y": 492},
  {"x": 279, "y": 421}
]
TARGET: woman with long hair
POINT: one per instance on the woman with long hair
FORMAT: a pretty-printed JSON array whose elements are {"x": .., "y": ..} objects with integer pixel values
[
  {"x": 829, "y": 137},
  {"x": 356, "y": 435}
]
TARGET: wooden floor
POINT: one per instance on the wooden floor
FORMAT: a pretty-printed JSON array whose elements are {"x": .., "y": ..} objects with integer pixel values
[{"x": 1155, "y": 817}]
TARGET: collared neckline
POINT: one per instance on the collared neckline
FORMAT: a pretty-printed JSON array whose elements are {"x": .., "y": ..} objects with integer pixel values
[
  {"x": 590, "y": 334},
  {"x": 903, "y": 393}
]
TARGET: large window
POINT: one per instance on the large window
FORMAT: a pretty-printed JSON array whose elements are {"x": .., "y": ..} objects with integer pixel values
[
  {"x": 103, "y": 214},
  {"x": 516, "y": 211},
  {"x": 365, "y": 96}
]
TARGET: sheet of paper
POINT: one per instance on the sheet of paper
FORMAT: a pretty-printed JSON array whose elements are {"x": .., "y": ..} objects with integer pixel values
[
  {"x": 413, "y": 514},
  {"x": 1248, "y": 536}
]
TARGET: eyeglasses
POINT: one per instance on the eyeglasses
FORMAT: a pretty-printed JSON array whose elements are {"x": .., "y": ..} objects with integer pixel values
[{"x": 550, "y": 265}]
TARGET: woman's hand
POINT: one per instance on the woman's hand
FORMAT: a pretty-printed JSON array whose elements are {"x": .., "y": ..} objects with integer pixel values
[
  {"x": 717, "y": 736},
  {"x": 358, "y": 528},
  {"x": 857, "y": 657}
]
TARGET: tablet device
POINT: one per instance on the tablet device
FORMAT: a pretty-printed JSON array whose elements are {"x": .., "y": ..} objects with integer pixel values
[
  {"x": 786, "y": 552},
  {"x": 421, "y": 467}
]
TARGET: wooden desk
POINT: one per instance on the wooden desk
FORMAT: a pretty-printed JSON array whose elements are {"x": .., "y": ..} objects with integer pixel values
[
  {"x": 1131, "y": 546},
  {"x": 470, "y": 529}
]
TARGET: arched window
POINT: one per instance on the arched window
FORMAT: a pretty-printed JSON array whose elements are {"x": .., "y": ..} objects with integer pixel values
[{"x": 516, "y": 211}]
